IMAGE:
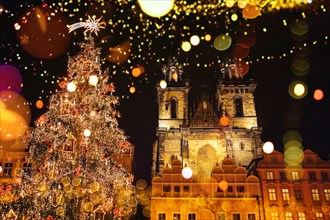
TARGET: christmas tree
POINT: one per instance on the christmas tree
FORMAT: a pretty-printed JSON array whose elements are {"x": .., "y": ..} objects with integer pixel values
[{"x": 74, "y": 173}]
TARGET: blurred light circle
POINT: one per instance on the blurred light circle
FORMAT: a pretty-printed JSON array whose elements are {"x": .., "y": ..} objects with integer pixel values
[
  {"x": 299, "y": 27},
  {"x": 239, "y": 52},
  {"x": 186, "y": 46},
  {"x": 234, "y": 17},
  {"x": 187, "y": 172},
  {"x": 141, "y": 184},
  {"x": 251, "y": 11},
  {"x": 207, "y": 37},
  {"x": 246, "y": 41},
  {"x": 93, "y": 80},
  {"x": 293, "y": 156},
  {"x": 132, "y": 89},
  {"x": 17, "y": 26},
  {"x": 318, "y": 94},
  {"x": 242, "y": 3},
  {"x": 137, "y": 71},
  {"x": 223, "y": 185},
  {"x": 291, "y": 135},
  {"x": 44, "y": 33},
  {"x": 71, "y": 87},
  {"x": 11, "y": 79},
  {"x": 224, "y": 121},
  {"x": 163, "y": 84},
  {"x": 87, "y": 133},
  {"x": 222, "y": 42},
  {"x": 268, "y": 147},
  {"x": 297, "y": 89},
  {"x": 194, "y": 40},
  {"x": 156, "y": 8},
  {"x": 230, "y": 3},
  {"x": 300, "y": 64},
  {"x": 39, "y": 104}
]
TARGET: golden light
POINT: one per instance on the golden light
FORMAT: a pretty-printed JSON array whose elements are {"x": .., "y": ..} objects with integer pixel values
[
  {"x": 234, "y": 17},
  {"x": 223, "y": 185},
  {"x": 132, "y": 89},
  {"x": 93, "y": 80},
  {"x": 194, "y": 40},
  {"x": 299, "y": 89},
  {"x": 87, "y": 133},
  {"x": 186, "y": 46},
  {"x": 39, "y": 104},
  {"x": 222, "y": 42},
  {"x": 268, "y": 147},
  {"x": 207, "y": 37},
  {"x": 163, "y": 84},
  {"x": 242, "y": 3},
  {"x": 156, "y": 8},
  {"x": 187, "y": 172},
  {"x": 71, "y": 87},
  {"x": 92, "y": 113},
  {"x": 0, "y": 168},
  {"x": 318, "y": 94}
]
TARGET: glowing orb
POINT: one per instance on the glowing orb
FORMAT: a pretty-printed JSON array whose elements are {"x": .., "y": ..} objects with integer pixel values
[
  {"x": 71, "y": 87},
  {"x": 93, "y": 80},
  {"x": 156, "y": 8},
  {"x": 222, "y": 42},
  {"x": 230, "y": 3},
  {"x": 11, "y": 79},
  {"x": 234, "y": 17},
  {"x": 207, "y": 37},
  {"x": 223, "y": 185},
  {"x": 318, "y": 94},
  {"x": 141, "y": 184},
  {"x": 224, "y": 121},
  {"x": 268, "y": 147},
  {"x": 299, "y": 27},
  {"x": 163, "y": 84},
  {"x": 242, "y": 3},
  {"x": 39, "y": 104},
  {"x": 137, "y": 71},
  {"x": 132, "y": 89},
  {"x": 43, "y": 32},
  {"x": 187, "y": 172},
  {"x": 251, "y": 11},
  {"x": 299, "y": 89},
  {"x": 186, "y": 46},
  {"x": 87, "y": 133},
  {"x": 194, "y": 40}
]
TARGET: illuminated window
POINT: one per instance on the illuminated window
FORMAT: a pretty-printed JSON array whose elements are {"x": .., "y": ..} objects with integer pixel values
[
  {"x": 288, "y": 216},
  {"x": 237, "y": 216},
  {"x": 176, "y": 216},
  {"x": 324, "y": 176},
  {"x": 312, "y": 176},
  {"x": 315, "y": 195},
  {"x": 173, "y": 108},
  {"x": 8, "y": 169},
  {"x": 301, "y": 216},
  {"x": 298, "y": 194},
  {"x": 251, "y": 216},
  {"x": 238, "y": 107},
  {"x": 295, "y": 175},
  {"x": 191, "y": 216},
  {"x": 285, "y": 194},
  {"x": 270, "y": 175},
  {"x": 327, "y": 194},
  {"x": 319, "y": 216},
  {"x": 27, "y": 168},
  {"x": 161, "y": 216},
  {"x": 274, "y": 216},
  {"x": 272, "y": 194}
]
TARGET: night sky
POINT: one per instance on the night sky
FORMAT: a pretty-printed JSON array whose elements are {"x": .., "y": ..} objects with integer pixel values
[{"x": 154, "y": 40}]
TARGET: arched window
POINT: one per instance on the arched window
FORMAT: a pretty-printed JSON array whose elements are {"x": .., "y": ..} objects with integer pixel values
[
  {"x": 174, "y": 108},
  {"x": 238, "y": 106}
]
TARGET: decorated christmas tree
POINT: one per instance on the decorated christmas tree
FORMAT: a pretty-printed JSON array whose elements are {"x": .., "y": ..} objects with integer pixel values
[{"x": 74, "y": 149}]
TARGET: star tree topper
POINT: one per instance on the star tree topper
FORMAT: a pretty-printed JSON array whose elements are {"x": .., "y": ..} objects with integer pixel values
[{"x": 91, "y": 24}]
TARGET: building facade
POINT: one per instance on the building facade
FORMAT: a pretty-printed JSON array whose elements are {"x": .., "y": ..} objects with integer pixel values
[{"x": 295, "y": 192}]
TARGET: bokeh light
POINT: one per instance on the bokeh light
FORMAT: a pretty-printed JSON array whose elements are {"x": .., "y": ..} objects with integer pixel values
[
  {"x": 251, "y": 11},
  {"x": 93, "y": 80},
  {"x": 121, "y": 53},
  {"x": 71, "y": 87},
  {"x": 222, "y": 42},
  {"x": 10, "y": 79},
  {"x": 87, "y": 133},
  {"x": 299, "y": 27},
  {"x": 297, "y": 89},
  {"x": 43, "y": 33},
  {"x": 137, "y": 71},
  {"x": 156, "y": 8},
  {"x": 132, "y": 89},
  {"x": 318, "y": 94},
  {"x": 163, "y": 84},
  {"x": 141, "y": 184},
  {"x": 268, "y": 147},
  {"x": 223, "y": 185},
  {"x": 39, "y": 104},
  {"x": 187, "y": 172},
  {"x": 186, "y": 46},
  {"x": 208, "y": 37},
  {"x": 194, "y": 40}
]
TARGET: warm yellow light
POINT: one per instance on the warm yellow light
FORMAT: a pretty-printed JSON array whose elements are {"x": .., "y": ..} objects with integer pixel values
[
  {"x": 207, "y": 37},
  {"x": 0, "y": 168},
  {"x": 299, "y": 89},
  {"x": 156, "y": 8},
  {"x": 186, "y": 46},
  {"x": 187, "y": 172},
  {"x": 194, "y": 40},
  {"x": 132, "y": 89},
  {"x": 268, "y": 147},
  {"x": 234, "y": 17},
  {"x": 71, "y": 87},
  {"x": 93, "y": 80},
  {"x": 87, "y": 132},
  {"x": 162, "y": 84}
]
